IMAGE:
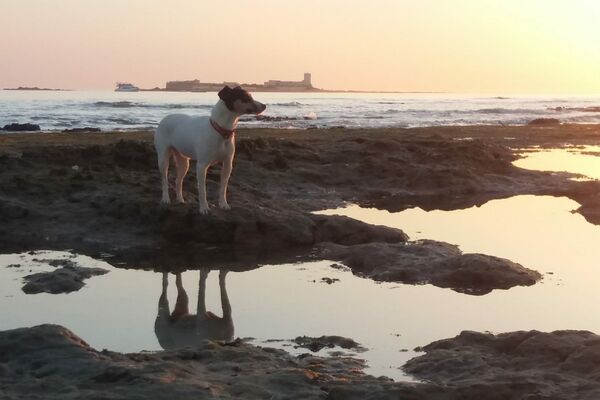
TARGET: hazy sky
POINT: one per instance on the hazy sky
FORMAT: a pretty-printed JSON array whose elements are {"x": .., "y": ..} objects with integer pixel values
[{"x": 485, "y": 46}]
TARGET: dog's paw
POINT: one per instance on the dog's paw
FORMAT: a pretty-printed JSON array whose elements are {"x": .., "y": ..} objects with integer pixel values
[
  {"x": 165, "y": 202},
  {"x": 224, "y": 206},
  {"x": 204, "y": 210}
]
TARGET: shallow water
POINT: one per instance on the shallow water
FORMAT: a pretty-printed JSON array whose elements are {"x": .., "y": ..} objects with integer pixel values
[
  {"x": 117, "y": 310},
  {"x": 583, "y": 160},
  {"x": 120, "y": 110}
]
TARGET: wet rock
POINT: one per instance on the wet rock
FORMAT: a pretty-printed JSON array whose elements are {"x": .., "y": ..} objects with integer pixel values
[
  {"x": 348, "y": 231},
  {"x": 15, "y": 127},
  {"x": 66, "y": 279},
  {"x": 515, "y": 365},
  {"x": 436, "y": 263},
  {"x": 82, "y": 130},
  {"x": 315, "y": 344},
  {"x": 51, "y": 362},
  {"x": 544, "y": 121},
  {"x": 328, "y": 280}
]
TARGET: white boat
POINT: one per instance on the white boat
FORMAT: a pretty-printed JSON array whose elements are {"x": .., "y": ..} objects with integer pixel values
[{"x": 126, "y": 87}]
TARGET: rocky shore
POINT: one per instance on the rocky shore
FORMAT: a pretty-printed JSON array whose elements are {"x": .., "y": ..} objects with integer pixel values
[
  {"x": 97, "y": 194},
  {"x": 51, "y": 362}
]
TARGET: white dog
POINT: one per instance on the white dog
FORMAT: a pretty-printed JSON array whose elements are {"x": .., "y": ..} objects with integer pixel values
[{"x": 208, "y": 140}]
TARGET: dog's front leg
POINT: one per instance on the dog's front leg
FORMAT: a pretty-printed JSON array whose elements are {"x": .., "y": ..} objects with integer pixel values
[
  {"x": 225, "y": 174},
  {"x": 201, "y": 176}
]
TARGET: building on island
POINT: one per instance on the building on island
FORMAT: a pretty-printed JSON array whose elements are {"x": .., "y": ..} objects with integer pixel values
[
  {"x": 304, "y": 84},
  {"x": 269, "y": 86}
]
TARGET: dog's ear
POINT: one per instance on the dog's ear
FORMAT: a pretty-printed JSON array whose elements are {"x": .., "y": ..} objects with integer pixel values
[{"x": 224, "y": 93}]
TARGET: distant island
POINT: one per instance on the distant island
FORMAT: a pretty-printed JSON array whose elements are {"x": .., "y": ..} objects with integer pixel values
[
  {"x": 305, "y": 85},
  {"x": 37, "y": 88},
  {"x": 195, "y": 85}
]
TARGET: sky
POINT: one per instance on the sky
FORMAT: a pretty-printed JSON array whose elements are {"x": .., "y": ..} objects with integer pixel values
[{"x": 464, "y": 46}]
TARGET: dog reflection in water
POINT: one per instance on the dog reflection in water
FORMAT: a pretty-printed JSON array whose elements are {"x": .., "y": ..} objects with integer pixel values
[{"x": 179, "y": 328}]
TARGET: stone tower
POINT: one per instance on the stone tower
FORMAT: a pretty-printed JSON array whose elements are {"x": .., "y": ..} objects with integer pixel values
[{"x": 307, "y": 79}]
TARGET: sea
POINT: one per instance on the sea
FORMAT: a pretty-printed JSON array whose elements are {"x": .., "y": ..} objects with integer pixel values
[{"x": 107, "y": 110}]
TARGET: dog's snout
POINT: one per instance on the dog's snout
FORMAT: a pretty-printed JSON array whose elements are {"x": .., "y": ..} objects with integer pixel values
[{"x": 262, "y": 107}]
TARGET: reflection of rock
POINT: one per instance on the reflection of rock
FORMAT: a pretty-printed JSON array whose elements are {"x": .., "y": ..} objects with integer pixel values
[
  {"x": 62, "y": 280},
  {"x": 14, "y": 127},
  {"x": 315, "y": 344},
  {"x": 437, "y": 263},
  {"x": 516, "y": 365}
]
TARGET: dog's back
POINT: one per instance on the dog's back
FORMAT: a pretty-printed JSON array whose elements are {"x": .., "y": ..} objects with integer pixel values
[
  {"x": 168, "y": 124},
  {"x": 179, "y": 132}
]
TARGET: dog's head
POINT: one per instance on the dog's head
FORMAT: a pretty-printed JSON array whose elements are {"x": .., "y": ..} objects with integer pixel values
[{"x": 239, "y": 101}]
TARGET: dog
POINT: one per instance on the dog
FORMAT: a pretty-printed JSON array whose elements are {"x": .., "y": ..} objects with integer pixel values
[{"x": 208, "y": 140}]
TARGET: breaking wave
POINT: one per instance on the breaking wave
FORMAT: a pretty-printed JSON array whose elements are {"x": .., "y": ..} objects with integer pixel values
[{"x": 130, "y": 104}]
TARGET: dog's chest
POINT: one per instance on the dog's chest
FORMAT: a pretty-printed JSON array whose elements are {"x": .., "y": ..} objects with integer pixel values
[{"x": 221, "y": 150}]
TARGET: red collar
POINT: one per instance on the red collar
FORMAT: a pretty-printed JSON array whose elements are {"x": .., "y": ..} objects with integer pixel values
[{"x": 226, "y": 133}]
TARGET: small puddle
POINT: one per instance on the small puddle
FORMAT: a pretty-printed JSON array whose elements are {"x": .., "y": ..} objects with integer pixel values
[
  {"x": 539, "y": 232},
  {"x": 117, "y": 311},
  {"x": 584, "y": 160}
]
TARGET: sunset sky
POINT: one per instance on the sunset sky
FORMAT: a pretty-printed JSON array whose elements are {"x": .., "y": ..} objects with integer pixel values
[{"x": 470, "y": 46}]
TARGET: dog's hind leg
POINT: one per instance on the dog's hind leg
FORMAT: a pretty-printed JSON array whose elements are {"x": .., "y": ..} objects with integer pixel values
[
  {"x": 183, "y": 165},
  {"x": 163, "y": 166}
]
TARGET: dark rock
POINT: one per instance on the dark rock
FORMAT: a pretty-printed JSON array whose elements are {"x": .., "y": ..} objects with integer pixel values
[
  {"x": 82, "y": 130},
  {"x": 328, "y": 280},
  {"x": 347, "y": 231},
  {"x": 14, "y": 127},
  {"x": 63, "y": 280},
  {"x": 515, "y": 365},
  {"x": 51, "y": 362},
  {"x": 544, "y": 121},
  {"x": 437, "y": 263},
  {"x": 315, "y": 344}
]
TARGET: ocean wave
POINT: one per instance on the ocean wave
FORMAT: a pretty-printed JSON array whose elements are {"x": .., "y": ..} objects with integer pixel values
[
  {"x": 288, "y": 104},
  {"x": 130, "y": 104},
  {"x": 590, "y": 109},
  {"x": 115, "y": 104},
  {"x": 509, "y": 111},
  {"x": 122, "y": 121}
]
